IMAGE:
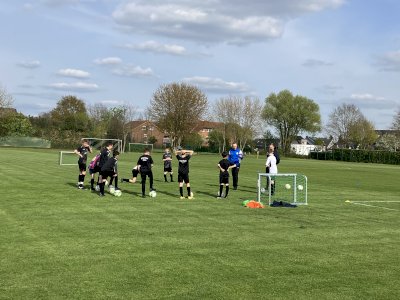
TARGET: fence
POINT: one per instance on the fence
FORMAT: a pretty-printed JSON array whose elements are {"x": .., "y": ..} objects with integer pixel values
[{"x": 23, "y": 141}]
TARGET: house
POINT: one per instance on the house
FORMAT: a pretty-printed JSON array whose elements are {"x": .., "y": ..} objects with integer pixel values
[
  {"x": 203, "y": 128},
  {"x": 142, "y": 131}
]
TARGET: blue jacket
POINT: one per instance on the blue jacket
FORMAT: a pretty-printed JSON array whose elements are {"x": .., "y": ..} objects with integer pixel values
[{"x": 235, "y": 156}]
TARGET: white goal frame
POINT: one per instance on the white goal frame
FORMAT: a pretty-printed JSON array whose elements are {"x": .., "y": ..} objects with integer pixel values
[
  {"x": 294, "y": 182},
  {"x": 61, "y": 156},
  {"x": 141, "y": 144},
  {"x": 118, "y": 142}
]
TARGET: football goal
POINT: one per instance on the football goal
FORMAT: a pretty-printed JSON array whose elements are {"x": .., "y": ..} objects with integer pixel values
[
  {"x": 290, "y": 188},
  {"x": 139, "y": 147},
  {"x": 97, "y": 143},
  {"x": 68, "y": 158}
]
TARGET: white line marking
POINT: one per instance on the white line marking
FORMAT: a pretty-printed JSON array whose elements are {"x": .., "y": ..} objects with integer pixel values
[
  {"x": 394, "y": 201},
  {"x": 369, "y": 205}
]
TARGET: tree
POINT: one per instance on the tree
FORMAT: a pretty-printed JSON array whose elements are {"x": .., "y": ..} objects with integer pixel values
[
  {"x": 362, "y": 133},
  {"x": 119, "y": 124},
  {"x": 15, "y": 124},
  {"x": 290, "y": 115},
  {"x": 389, "y": 142},
  {"x": 340, "y": 122},
  {"x": 396, "y": 122},
  {"x": 70, "y": 114},
  {"x": 99, "y": 116},
  {"x": 176, "y": 108},
  {"x": 6, "y": 100},
  {"x": 240, "y": 117}
]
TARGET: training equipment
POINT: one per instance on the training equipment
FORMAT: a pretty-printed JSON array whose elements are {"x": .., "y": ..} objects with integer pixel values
[
  {"x": 97, "y": 188},
  {"x": 277, "y": 187},
  {"x": 139, "y": 147},
  {"x": 67, "y": 158},
  {"x": 97, "y": 143},
  {"x": 153, "y": 194},
  {"x": 117, "y": 193}
]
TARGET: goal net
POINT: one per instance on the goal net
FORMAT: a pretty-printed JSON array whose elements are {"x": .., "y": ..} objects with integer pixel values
[
  {"x": 67, "y": 158},
  {"x": 97, "y": 144},
  {"x": 289, "y": 188},
  {"x": 139, "y": 147}
]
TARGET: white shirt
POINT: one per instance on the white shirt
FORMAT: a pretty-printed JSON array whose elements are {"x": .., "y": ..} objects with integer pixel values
[{"x": 271, "y": 163}]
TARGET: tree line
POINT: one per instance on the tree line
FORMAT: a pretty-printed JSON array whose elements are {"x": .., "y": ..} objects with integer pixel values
[{"x": 177, "y": 108}]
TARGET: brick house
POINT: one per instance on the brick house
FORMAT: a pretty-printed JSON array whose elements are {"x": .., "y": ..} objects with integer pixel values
[
  {"x": 204, "y": 128},
  {"x": 142, "y": 130}
]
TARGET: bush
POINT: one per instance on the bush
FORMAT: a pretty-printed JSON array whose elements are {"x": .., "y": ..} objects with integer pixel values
[{"x": 353, "y": 155}]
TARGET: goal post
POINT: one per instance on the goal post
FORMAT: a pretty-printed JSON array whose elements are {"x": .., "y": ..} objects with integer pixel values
[
  {"x": 139, "y": 147},
  {"x": 97, "y": 143},
  {"x": 67, "y": 158},
  {"x": 285, "y": 187}
]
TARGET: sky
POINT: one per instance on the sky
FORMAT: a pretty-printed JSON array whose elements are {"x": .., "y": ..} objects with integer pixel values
[{"x": 120, "y": 52}]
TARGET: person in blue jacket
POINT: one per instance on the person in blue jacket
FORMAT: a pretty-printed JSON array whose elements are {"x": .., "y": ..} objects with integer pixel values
[{"x": 235, "y": 157}]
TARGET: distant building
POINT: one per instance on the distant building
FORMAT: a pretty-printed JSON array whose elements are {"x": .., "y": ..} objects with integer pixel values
[
  {"x": 143, "y": 130},
  {"x": 203, "y": 128}
]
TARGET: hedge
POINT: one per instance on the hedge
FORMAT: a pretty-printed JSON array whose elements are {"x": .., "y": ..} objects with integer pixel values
[{"x": 353, "y": 155}]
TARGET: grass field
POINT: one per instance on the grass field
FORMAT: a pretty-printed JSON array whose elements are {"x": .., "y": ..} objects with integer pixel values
[{"x": 58, "y": 242}]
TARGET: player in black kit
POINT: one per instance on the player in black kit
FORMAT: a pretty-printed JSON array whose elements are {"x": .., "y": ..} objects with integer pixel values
[
  {"x": 145, "y": 163},
  {"x": 82, "y": 152},
  {"x": 109, "y": 169},
  {"x": 167, "y": 159},
  {"x": 183, "y": 157},
  {"x": 224, "y": 165}
]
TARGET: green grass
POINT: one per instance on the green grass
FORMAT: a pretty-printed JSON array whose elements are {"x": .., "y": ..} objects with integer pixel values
[{"x": 58, "y": 242}]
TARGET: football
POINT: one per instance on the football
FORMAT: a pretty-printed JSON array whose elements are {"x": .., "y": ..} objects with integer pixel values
[
  {"x": 97, "y": 188},
  {"x": 300, "y": 187},
  {"x": 152, "y": 194},
  {"x": 111, "y": 189},
  {"x": 262, "y": 190},
  {"x": 287, "y": 186},
  {"x": 117, "y": 193}
]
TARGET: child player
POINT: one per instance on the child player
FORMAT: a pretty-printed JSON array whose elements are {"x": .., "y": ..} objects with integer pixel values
[
  {"x": 82, "y": 152},
  {"x": 272, "y": 168},
  {"x": 109, "y": 169},
  {"x": 183, "y": 157},
  {"x": 135, "y": 172},
  {"x": 167, "y": 159},
  {"x": 104, "y": 156},
  {"x": 93, "y": 169},
  {"x": 224, "y": 165},
  {"x": 145, "y": 163}
]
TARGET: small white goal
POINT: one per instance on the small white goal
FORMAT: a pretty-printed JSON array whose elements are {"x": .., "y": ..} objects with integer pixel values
[
  {"x": 67, "y": 158},
  {"x": 289, "y": 188}
]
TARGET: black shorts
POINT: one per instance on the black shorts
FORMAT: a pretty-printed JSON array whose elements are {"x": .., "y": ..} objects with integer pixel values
[
  {"x": 105, "y": 174},
  {"x": 135, "y": 173},
  {"x": 168, "y": 169},
  {"x": 183, "y": 177},
  {"x": 224, "y": 178},
  {"x": 82, "y": 166},
  {"x": 95, "y": 170}
]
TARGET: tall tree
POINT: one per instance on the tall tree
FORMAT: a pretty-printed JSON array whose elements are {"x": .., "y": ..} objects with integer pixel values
[
  {"x": 119, "y": 124},
  {"x": 6, "y": 100},
  {"x": 99, "y": 116},
  {"x": 291, "y": 115},
  {"x": 241, "y": 118},
  {"x": 396, "y": 122},
  {"x": 15, "y": 124},
  {"x": 362, "y": 133},
  {"x": 70, "y": 114},
  {"x": 176, "y": 108}
]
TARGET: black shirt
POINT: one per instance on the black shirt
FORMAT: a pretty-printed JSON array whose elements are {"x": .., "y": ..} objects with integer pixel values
[
  {"x": 183, "y": 163},
  {"x": 145, "y": 162},
  {"x": 167, "y": 163},
  {"x": 104, "y": 155},
  {"x": 225, "y": 164},
  {"x": 110, "y": 165},
  {"x": 84, "y": 152}
]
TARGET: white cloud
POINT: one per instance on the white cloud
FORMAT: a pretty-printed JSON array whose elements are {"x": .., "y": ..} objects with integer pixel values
[
  {"x": 74, "y": 73},
  {"x": 330, "y": 89},
  {"x": 76, "y": 86},
  {"x": 108, "y": 61},
  {"x": 389, "y": 62},
  {"x": 366, "y": 96},
  {"x": 155, "y": 47},
  {"x": 316, "y": 63},
  {"x": 217, "y": 85},
  {"x": 228, "y": 21},
  {"x": 133, "y": 71},
  {"x": 29, "y": 64}
]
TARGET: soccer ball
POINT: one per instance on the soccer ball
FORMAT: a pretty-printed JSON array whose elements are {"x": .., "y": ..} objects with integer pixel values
[
  {"x": 106, "y": 183},
  {"x": 300, "y": 187},
  {"x": 287, "y": 186},
  {"x": 262, "y": 190},
  {"x": 117, "y": 193},
  {"x": 97, "y": 188},
  {"x": 191, "y": 194},
  {"x": 152, "y": 194},
  {"x": 111, "y": 189}
]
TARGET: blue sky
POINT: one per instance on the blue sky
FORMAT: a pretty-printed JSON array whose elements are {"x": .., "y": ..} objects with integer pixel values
[{"x": 115, "y": 51}]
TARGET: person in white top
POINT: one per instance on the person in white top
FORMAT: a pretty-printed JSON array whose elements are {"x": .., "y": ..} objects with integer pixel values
[{"x": 273, "y": 169}]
